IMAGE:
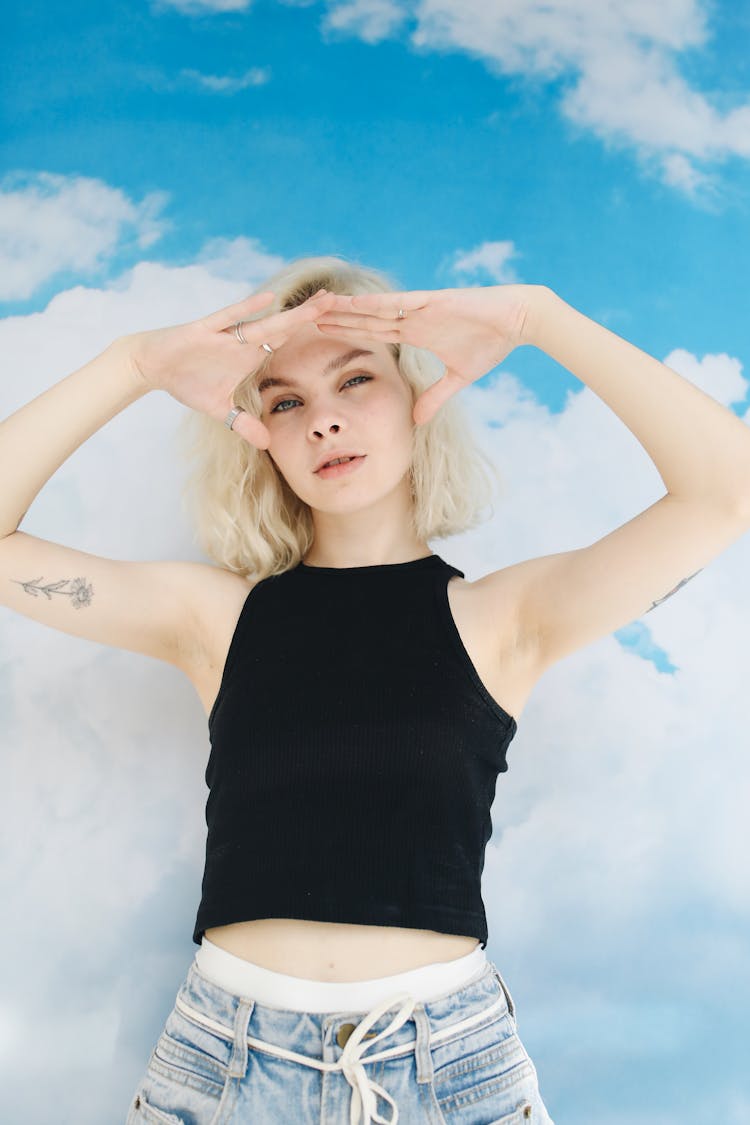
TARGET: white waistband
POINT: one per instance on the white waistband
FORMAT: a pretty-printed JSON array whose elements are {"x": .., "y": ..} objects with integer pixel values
[{"x": 244, "y": 978}]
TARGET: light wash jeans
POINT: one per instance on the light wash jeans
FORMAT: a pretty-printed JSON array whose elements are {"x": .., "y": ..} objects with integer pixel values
[{"x": 415, "y": 1047}]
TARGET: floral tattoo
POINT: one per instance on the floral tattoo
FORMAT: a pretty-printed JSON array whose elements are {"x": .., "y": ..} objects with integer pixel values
[{"x": 80, "y": 593}]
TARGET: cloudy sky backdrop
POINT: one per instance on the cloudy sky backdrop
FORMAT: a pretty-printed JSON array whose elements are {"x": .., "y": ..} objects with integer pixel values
[{"x": 158, "y": 161}]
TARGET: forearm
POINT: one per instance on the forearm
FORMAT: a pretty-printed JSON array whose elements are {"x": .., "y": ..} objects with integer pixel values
[
  {"x": 38, "y": 437},
  {"x": 700, "y": 448}
]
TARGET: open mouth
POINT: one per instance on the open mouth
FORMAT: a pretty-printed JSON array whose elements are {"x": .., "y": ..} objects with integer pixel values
[
  {"x": 339, "y": 466},
  {"x": 336, "y": 461}
]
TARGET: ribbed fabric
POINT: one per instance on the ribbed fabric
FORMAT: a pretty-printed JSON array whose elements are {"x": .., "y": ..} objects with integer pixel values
[{"x": 354, "y": 755}]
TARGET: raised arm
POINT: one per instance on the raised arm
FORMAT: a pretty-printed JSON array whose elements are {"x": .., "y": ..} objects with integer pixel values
[
  {"x": 150, "y": 607},
  {"x": 39, "y": 437},
  {"x": 133, "y": 605}
]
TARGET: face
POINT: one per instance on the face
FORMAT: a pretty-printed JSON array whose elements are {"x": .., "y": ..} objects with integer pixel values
[{"x": 362, "y": 407}]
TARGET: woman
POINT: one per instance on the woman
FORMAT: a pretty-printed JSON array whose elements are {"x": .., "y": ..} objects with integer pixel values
[{"x": 361, "y": 696}]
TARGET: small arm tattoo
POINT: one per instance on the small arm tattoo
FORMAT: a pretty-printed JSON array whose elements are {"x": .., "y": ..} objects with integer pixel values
[
  {"x": 669, "y": 595},
  {"x": 80, "y": 592}
]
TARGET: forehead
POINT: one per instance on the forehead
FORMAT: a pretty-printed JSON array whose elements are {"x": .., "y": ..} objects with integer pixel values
[{"x": 285, "y": 370}]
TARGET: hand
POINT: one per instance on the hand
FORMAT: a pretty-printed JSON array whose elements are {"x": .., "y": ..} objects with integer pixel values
[
  {"x": 471, "y": 330},
  {"x": 202, "y": 362}
]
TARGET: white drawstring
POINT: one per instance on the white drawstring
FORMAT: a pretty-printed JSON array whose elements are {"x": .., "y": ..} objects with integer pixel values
[{"x": 363, "y": 1091}]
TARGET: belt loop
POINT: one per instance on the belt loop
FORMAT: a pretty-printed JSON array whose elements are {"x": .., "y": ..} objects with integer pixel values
[
  {"x": 238, "y": 1061},
  {"x": 506, "y": 990},
  {"x": 422, "y": 1052}
]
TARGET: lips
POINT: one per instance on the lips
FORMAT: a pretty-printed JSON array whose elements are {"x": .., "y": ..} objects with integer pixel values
[
  {"x": 334, "y": 456},
  {"x": 342, "y": 469}
]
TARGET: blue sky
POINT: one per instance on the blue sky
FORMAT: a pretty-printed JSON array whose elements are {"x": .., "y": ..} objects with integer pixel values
[{"x": 158, "y": 161}]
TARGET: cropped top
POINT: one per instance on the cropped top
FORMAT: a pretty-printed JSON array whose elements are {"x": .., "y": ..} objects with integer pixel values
[{"x": 354, "y": 755}]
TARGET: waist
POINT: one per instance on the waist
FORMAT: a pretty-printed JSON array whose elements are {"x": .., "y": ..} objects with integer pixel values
[
  {"x": 301, "y": 994},
  {"x": 326, "y": 951}
]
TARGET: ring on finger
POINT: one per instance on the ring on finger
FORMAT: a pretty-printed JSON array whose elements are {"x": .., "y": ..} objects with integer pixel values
[{"x": 242, "y": 340}]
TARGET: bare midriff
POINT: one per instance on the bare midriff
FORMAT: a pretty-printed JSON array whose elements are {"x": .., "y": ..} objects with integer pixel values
[{"x": 333, "y": 951}]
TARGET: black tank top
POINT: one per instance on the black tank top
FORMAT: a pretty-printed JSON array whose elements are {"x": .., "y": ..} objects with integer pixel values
[{"x": 354, "y": 755}]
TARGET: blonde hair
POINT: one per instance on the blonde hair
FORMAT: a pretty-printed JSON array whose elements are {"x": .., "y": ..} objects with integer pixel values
[{"x": 245, "y": 515}]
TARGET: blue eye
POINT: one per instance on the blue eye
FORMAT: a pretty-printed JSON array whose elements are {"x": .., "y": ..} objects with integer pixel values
[{"x": 284, "y": 401}]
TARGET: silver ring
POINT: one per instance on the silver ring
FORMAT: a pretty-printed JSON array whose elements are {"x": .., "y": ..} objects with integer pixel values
[
  {"x": 268, "y": 348},
  {"x": 401, "y": 314},
  {"x": 238, "y": 333},
  {"x": 229, "y": 420}
]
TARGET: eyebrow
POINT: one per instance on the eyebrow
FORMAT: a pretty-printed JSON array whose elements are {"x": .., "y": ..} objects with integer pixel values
[{"x": 334, "y": 365}]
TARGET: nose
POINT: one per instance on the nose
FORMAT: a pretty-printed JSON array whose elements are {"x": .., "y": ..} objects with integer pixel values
[{"x": 332, "y": 428}]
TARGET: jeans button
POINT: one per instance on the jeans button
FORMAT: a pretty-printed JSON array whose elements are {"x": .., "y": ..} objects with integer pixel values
[{"x": 343, "y": 1033}]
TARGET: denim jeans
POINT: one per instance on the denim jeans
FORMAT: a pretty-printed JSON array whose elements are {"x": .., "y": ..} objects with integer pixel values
[{"x": 453, "y": 1059}]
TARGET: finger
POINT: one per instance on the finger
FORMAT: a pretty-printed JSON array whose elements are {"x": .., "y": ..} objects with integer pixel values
[
  {"x": 225, "y": 319},
  {"x": 251, "y": 429},
  {"x": 276, "y": 328},
  {"x": 388, "y": 304},
  {"x": 232, "y": 313},
  {"x": 383, "y": 335},
  {"x": 309, "y": 309},
  {"x": 385, "y": 305},
  {"x": 430, "y": 401},
  {"x": 355, "y": 320}
]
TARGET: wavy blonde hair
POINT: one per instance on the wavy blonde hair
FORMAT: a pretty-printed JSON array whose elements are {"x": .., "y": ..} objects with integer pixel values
[{"x": 245, "y": 515}]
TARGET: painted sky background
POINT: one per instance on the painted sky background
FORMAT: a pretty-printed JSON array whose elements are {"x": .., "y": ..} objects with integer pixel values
[{"x": 158, "y": 161}]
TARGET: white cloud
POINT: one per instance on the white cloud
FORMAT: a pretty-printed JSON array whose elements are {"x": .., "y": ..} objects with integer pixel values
[
  {"x": 225, "y": 84},
  {"x": 491, "y": 258},
  {"x": 202, "y": 7},
  {"x": 371, "y": 20},
  {"x": 238, "y": 259},
  {"x": 718, "y": 375},
  {"x": 51, "y": 223},
  {"x": 678, "y": 172}
]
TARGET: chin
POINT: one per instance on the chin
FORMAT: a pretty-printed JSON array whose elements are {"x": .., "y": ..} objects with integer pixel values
[{"x": 345, "y": 505}]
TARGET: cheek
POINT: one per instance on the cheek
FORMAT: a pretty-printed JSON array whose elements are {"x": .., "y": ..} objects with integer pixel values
[
  {"x": 284, "y": 455},
  {"x": 395, "y": 402}
]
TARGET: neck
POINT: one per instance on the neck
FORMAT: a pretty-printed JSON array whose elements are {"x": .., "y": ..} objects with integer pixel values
[
  {"x": 377, "y": 534},
  {"x": 364, "y": 554}
]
